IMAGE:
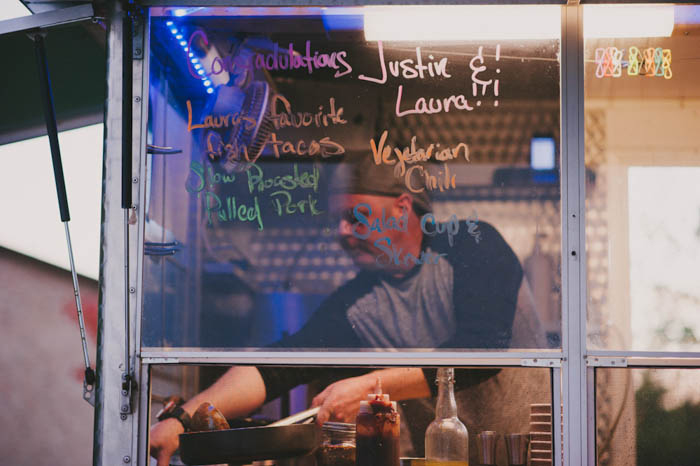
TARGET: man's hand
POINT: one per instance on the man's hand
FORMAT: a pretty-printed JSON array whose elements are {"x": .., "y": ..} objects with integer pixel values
[
  {"x": 340, "y": 401},
  {"x": 164, "y": 440}
]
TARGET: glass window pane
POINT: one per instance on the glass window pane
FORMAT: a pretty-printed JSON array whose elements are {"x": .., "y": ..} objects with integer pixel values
[
  {"x": 647, "y": 417},
  {"x": 504, "y": 400},
  {"x": 342, "y": 186},
  {"x": 642, "y": 166}
]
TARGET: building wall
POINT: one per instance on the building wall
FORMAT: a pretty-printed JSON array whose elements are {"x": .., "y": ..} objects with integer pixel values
[{"x": 44, "y": 418}]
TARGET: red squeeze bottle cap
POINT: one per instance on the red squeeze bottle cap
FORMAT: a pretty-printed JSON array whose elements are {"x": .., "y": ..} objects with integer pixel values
[{"x": 378, "y": 397}]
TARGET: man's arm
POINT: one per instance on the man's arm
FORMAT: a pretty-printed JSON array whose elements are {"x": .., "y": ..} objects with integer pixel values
[
  {"x": 340, "y": 401},
  {"x": 238, "y": 392}
]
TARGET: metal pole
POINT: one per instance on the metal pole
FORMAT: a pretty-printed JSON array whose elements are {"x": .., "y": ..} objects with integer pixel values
[
  {"x": 127, "y": 72},
  {"x": 52, "y": 132},
  {"x": 51, "y": 127},
  {"x": 76, "y": 292},
  {"x": 575, "y": 396}
]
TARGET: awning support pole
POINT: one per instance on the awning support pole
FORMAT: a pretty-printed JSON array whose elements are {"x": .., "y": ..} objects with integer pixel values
[
  {"x": 52, "y": 131},
  {"x": 128, "y": 379}
]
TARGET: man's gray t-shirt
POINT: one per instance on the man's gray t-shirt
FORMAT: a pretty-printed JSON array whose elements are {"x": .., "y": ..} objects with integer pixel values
[
  {"x": 419, "y": 312},
  {"x": 416, "y": 311}
]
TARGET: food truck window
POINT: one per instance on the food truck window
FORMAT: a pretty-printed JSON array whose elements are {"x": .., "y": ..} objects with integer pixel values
[
  {"x": 503, "y": 400},
  {"x": 341, "y": 184},
  {"x": 642, "y": 197}
]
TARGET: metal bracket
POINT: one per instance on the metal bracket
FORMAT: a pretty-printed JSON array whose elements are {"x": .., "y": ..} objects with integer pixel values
[
  {"x": 138, "y": 31},
  {"x": 89, "y": 393},
  {"x": 601, "y": 361},
  {"x": 89, "y": 386},
  {"x": 539, "y": 362},
  {"x": 128, "y": 387}
]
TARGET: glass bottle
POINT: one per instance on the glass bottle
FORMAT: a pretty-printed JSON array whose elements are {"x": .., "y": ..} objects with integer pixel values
[{"x": 447, "y": 439}]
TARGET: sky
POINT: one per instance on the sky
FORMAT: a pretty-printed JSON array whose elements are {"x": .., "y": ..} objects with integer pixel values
[
  {"x": 35, "y": 228},
  {"x": 13, "y": 9}
]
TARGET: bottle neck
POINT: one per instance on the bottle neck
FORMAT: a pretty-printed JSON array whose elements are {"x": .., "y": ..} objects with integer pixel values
[{"x": 446, "y": 404}]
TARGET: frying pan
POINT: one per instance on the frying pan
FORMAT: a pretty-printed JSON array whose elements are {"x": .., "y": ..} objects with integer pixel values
[{"x": 282, "y": 439}]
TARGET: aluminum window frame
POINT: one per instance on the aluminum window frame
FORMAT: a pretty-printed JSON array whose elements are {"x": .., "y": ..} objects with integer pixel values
[{"x": 400, "y": 357}]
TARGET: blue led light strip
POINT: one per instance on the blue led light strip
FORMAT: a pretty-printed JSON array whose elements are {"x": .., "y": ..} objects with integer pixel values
[{"x": 195, "y": 61}]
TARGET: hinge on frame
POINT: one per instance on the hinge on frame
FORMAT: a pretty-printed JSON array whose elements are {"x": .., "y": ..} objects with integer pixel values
[
  {"x": 605, "y": 361},
  {"x": 540, "y": 362}
]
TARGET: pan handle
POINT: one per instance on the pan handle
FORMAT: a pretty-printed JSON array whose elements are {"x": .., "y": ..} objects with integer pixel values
[{"x": 294, "y": 418}]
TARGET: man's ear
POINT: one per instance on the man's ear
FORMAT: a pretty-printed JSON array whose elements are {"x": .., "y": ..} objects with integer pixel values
[{"x": 404, "y": 203}]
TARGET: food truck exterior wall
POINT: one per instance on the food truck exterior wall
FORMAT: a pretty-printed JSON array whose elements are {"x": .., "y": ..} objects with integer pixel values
[
  {"x": 119, "y": 404},
  {"x": 121, "y": 436}
]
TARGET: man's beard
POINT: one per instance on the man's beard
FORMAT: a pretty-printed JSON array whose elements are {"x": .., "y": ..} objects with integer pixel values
[{"x": 357, "y": 248}]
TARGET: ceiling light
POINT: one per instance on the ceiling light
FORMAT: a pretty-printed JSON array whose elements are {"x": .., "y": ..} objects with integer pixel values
[
  {"x": 609, "y": 21},
  {"x": 511, "y": 22},
  {"x": 464, "y": 22}
]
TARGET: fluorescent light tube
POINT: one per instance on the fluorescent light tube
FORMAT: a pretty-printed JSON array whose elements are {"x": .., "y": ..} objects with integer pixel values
[
  {"x": 464, "y": 22},
  {"x": 614, "y": 21},
  {"x": 511, "y": 22}
]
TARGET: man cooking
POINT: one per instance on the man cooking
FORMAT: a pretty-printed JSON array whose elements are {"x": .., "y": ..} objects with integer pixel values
[{"x": 416, "y": 289}]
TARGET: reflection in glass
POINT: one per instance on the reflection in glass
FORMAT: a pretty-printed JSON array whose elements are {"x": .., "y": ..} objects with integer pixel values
[
  {"x": 642, "y": 198},
  {"x": 647, "y": 417},
  {"x": 337, "y": 193}
]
